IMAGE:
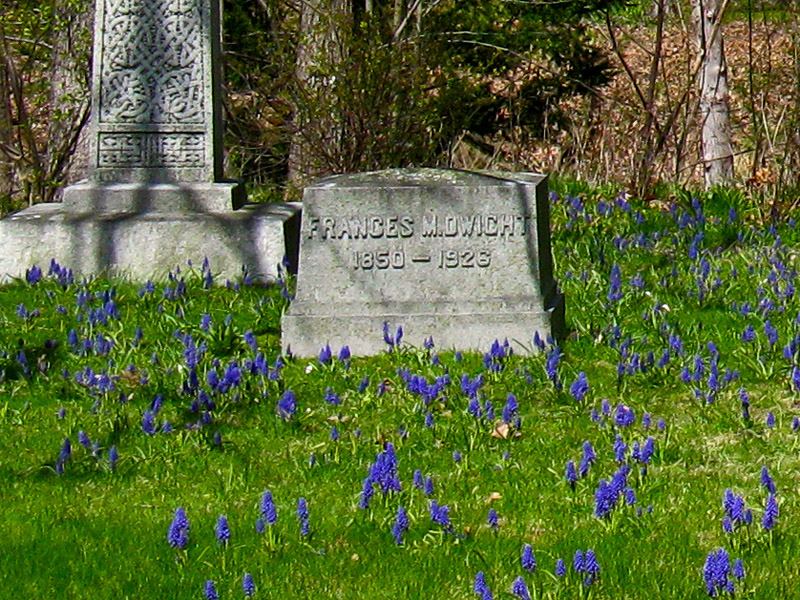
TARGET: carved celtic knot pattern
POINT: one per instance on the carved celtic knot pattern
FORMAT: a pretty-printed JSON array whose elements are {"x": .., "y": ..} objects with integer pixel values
[
  {"x": 143, "y": 150},
  {"x": 152, "y": 62}
]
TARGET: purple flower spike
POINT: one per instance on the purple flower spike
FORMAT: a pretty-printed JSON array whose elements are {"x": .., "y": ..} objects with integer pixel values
[
  {"x": 287, "y": 405},
  {"x": 440, "y": 515},
  {"x": 66, "y": 451},
  {"x": 771, "y": 513},
  {"x": 248, "y": 586},
  {"x": 302, "y": 516},
  {"x": 148, "y": 423},
  {"x": 528, "y": 560},
  {"x": 561, "y": 568},
  {"x": 579, "y": 388},
  {"x": 400, "y": 526},
  {"x": 223, "y": 531},
  {"x": 519, "y": 589},
  {"x": 493, "y": 519},
  {"x": 325, "y": 355},
  {"x": 767, "y": 481},
  {"x": 178, "y": 532},
  {"x": 578, "y": 562},
  {"x": 738, "y": 569},
  {"x": 716, "y": 573},
  {"x": 211, "y": 591},
  {"x": 481, "y": 588},
  {"x": 571, "y": 475},
  {"x": 113, "y": 457}
]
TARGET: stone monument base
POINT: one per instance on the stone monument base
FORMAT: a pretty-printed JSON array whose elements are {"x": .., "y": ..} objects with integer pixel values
[
  {"x": 474, "y": 328},
  {"x": 145, "y": 231}
]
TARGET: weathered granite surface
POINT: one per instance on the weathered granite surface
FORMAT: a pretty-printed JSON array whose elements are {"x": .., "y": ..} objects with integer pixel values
[
  {"x": 463, "y": 257},
  {"x": 156, "y": 92},
  {"x": 149, "y": 245},
  {"x": 155, "y": 197}
]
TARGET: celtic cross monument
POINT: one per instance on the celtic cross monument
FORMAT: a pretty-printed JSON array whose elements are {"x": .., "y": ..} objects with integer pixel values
[{"x": 155, "y": 195}]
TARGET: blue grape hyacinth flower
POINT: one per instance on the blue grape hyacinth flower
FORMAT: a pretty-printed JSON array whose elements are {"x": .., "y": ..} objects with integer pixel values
[
  {"x": 211, "y": 591},
  {"x": 528, "y": 560},
  {"x": 561, "y": 568},
  {"x": 400, "y": 525},
  {"x": 222, "y": 531},
  {"x": 367, "y": 491},
  {"x": 493, "y": 519},
  {"x": 578, "y": 562},
  {"x": 325, "y": 355},
  {"x": 63, "y": 456},
  {"x": 344, "y": 354},
  {"x": 248, "y": 587},
  {"x": 481, "y": 588},
  {"x": 767, "y": 481},
  {"x": 571, "y": 474},
  {"x": 771, "y": 513},
  {"x": 83, "y": 439},
  {"x": 178, "y": 532},
  {"x": 738, "y": 569},
  {"x": 590, "y": 564},
  {"x": 148, "y": 423},
  {"x": 520, "y": 589},
  {"x": 113, "y": 458},
  {"x": 510, "y": 409},
  {"x": 302, "y": 516},
  {"x": 66, "y": 451},
  {"x": 287, "y": 405},
  {"x": 716, "y": 573},
  {"x": 620, "y": 449},
  {"x": 579, "y": 388},
  {"x": 440, "y": 515}
]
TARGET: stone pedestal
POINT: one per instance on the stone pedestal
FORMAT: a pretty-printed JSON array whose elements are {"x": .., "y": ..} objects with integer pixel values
[
  {"x": 155, "y": 197},
  {"x": 462, "y": 257},
  {"x": 148, "y": 245}
]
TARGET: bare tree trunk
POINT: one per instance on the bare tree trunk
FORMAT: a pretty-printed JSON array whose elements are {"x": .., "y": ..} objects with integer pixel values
[
  {"x": 6, "y": 133},
  {"x": 70, "y": 74},
  {"x": 319, "y": 52},
  {"x": 714, "y": 106},
  {"x": 645, "y": 171}
]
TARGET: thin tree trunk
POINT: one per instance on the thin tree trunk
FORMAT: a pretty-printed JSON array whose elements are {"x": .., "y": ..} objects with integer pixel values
[
  {"x": 6, "y": 133},
  {"x": 645, "y": 173},
  {"x": 68, "y": 142},
  {"x": 714, "y": 107},
  {"x": 319, "y": 52}
]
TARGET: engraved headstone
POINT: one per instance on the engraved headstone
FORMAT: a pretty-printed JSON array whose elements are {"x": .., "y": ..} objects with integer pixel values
[
  {"x": 155, "y": 196},
  {"x": 462, "y": 257}
]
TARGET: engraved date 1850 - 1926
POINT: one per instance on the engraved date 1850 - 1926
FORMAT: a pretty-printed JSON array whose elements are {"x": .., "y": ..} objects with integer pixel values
[{"x": 395, "y": 258}]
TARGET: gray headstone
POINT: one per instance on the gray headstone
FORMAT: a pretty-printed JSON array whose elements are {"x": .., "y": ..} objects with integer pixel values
[
  {"x": 462, "y": 257},
  {"x": 155, "y": 196}
]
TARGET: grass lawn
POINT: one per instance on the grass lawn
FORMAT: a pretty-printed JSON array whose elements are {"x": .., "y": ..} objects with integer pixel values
[{"x": 648, "y": 451}]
